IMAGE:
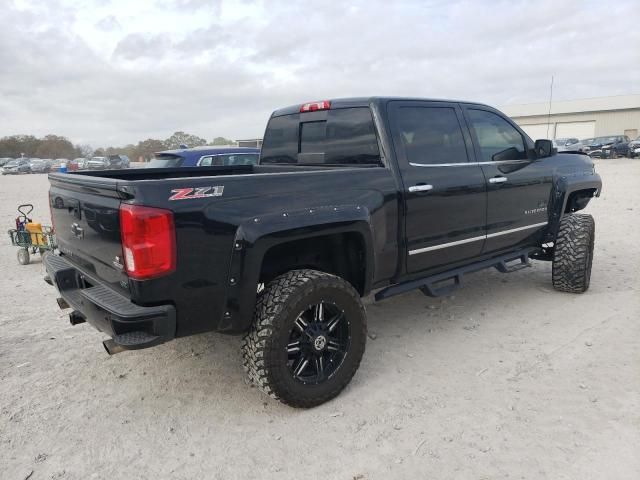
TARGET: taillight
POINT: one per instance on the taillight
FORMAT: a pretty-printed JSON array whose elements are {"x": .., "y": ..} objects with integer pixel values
[
  {"x": 314, "y": 106},
  {"x": 148, "y": 241}
]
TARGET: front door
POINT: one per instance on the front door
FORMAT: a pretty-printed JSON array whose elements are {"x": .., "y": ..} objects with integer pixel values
[
  {"x": 444, "y": 190},
  {"x": 518, "y": 187}
]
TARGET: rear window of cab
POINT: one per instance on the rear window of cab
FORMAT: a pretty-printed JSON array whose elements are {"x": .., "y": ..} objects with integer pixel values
[{"x": 343, "y": 136}]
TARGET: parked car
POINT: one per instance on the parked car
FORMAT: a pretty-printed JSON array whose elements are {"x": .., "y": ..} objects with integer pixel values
[
  {"x": 20, "y": 165},
  {"x": 77, "y": 164},
  {"x": 349, "y": 196},
  {"x": 5, "y": 160},
  {"x": 609, "y": 147},
  {"x": 205, "y": 157},
  {"x": 118, "y": 161},
  {"x": 56, "y": 164},
  {"x": 634, "y": 148},
  {"x": 568, "y": 145},
  {"x": 98, "y": 163},
  {"x": 39, "y": 165}
]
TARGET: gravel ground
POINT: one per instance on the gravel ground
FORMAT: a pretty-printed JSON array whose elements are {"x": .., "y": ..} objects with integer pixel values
[{"x": 506, "y": 379}]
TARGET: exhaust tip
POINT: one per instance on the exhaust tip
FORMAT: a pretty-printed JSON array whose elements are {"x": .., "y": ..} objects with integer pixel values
[
  {"x": 62, "y": 303},
  {"x": 112, "y": 347},
  {"x": 75, "y": 317}
]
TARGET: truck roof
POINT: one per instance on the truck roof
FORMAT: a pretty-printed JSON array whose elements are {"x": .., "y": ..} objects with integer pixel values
[{"x": 365, "y": 102}]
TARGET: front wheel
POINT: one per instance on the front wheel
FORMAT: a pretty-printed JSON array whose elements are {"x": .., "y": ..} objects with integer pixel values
[
  {"x": 307, "y": 339},
  {"x": 23, "y": 256},
  {"x": 573, "y": 253}
]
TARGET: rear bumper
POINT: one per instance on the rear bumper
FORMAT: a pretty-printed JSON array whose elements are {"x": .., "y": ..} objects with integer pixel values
[{"x": 131, "y": 326}]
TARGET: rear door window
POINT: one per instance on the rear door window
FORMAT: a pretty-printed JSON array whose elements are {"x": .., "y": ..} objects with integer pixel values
[
  {"x": 430, "y": 135},
  {"x": 342, "y": 136}
]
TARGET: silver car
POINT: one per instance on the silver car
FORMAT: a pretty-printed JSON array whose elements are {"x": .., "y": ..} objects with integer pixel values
[
  {"x": 39, "y": 165},
  {"x": 568, "y": 145},
  {"x": 98, "y": 163}
]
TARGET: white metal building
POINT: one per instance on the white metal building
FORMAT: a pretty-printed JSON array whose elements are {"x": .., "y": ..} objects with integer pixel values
[{"x": 583, "y": 118}]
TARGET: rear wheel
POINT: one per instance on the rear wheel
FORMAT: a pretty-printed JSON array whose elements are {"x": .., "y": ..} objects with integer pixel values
[
  {"x": 573, "y": 253},
  {"x": 23, "y": 256},
  {"x": 307, "y": 339}
]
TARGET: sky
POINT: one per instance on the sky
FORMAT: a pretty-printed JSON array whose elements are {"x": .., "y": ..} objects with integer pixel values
[{"x": 112, "y": 72}]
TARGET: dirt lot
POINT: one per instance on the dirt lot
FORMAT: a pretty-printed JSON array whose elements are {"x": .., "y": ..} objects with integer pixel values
[{"x": 506, "y": 379}]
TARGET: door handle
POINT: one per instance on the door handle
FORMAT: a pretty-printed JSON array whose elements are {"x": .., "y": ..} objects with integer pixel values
[
  {"x": 498, "y": 180},
  {"x": 420, "y": 188}
]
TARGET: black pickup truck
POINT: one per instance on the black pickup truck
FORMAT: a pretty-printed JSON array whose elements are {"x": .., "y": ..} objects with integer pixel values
[{"x": 350, "y": 196}]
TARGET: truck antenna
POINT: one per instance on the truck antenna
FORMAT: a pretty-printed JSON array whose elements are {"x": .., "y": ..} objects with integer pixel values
[{"x": 550, "y": 99}]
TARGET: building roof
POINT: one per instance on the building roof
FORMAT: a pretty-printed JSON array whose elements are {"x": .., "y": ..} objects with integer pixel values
[{"x": 595, "y": 104}]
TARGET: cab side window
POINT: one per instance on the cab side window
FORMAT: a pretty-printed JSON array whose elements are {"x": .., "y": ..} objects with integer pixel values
[
  {"x": 497, "y": 138},
  {"x": 431, "y": 135}
]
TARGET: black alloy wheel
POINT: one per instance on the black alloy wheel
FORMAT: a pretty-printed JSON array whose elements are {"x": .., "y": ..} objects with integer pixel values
[
  {"x": 307, "y": 339},
  {"x": 318, "y": 343}
]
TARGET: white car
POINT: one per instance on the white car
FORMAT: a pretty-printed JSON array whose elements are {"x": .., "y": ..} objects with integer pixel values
[{"x": 568, "y": 145}]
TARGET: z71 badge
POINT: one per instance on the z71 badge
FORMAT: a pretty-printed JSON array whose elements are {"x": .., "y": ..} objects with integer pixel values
[{"x": 196, "y": 192}]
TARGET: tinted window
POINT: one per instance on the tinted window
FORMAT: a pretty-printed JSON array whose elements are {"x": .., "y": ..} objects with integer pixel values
[
  {"x": 230, "y": 159},
  {"x": 347, "y": 136},
  {"x": 497, "y": 138},
  {"x": 430, "y": 135}
]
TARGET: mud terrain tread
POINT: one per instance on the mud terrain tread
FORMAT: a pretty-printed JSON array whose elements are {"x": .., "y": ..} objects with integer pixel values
[
  {"x": 272, "y": 309},
  {"x": 573, "y": 253}
]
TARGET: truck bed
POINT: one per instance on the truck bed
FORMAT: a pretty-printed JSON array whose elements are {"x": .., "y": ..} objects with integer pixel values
[{"x": 185, "y": 172}]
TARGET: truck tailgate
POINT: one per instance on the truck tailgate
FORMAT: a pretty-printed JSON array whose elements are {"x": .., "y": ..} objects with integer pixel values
[{"x": 85, "y": 213}]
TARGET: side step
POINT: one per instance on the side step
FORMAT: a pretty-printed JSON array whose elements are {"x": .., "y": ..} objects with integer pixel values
[{"x": 437, "y": 286}]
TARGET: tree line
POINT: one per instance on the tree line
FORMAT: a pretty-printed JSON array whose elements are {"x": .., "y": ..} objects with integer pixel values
[{"x": 55, "y": 146}]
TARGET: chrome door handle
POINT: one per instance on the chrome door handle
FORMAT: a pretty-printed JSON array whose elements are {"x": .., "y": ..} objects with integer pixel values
[
  {"x": 498, "y": 180},
  {"x": 420, "y": 188}
]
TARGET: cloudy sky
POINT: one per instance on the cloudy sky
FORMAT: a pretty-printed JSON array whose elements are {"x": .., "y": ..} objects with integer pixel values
[{"x": 110, "y": 72}]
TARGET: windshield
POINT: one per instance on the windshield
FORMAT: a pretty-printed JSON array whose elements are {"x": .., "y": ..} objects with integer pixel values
[
  {"x": 605, "y": 139},
  {"x": 12, "y": 163},
  {"x": 98, "y": 159},
  {"x": 163, "y": 160}
]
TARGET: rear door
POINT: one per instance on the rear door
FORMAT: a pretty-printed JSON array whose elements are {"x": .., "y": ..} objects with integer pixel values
[
  {"x": 518, "y": 188},
  {"x": 444, "y": 190}
]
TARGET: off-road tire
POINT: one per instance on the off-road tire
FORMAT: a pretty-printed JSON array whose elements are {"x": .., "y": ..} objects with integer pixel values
[
  {"x": 264, "y": 349},
  {"x": 573, "y": 253}
]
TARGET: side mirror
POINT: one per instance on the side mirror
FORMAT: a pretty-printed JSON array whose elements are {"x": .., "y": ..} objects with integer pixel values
[{"x": 543, "y": 148}]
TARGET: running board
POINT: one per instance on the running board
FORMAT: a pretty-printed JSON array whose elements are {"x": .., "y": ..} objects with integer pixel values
[{"x": 437, "y": 286}]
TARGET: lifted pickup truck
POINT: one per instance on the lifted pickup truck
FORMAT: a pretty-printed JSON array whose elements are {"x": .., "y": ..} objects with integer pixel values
[{"x": 350, "y": 196}]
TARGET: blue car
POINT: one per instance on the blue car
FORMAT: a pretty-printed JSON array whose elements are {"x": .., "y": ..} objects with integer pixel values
[{"x": 205, "y": 157}]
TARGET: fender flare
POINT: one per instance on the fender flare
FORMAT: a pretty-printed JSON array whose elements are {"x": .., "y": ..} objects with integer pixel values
[
  {"x": 255, "y": 236},
  {"x": 563, "y": 187}
]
